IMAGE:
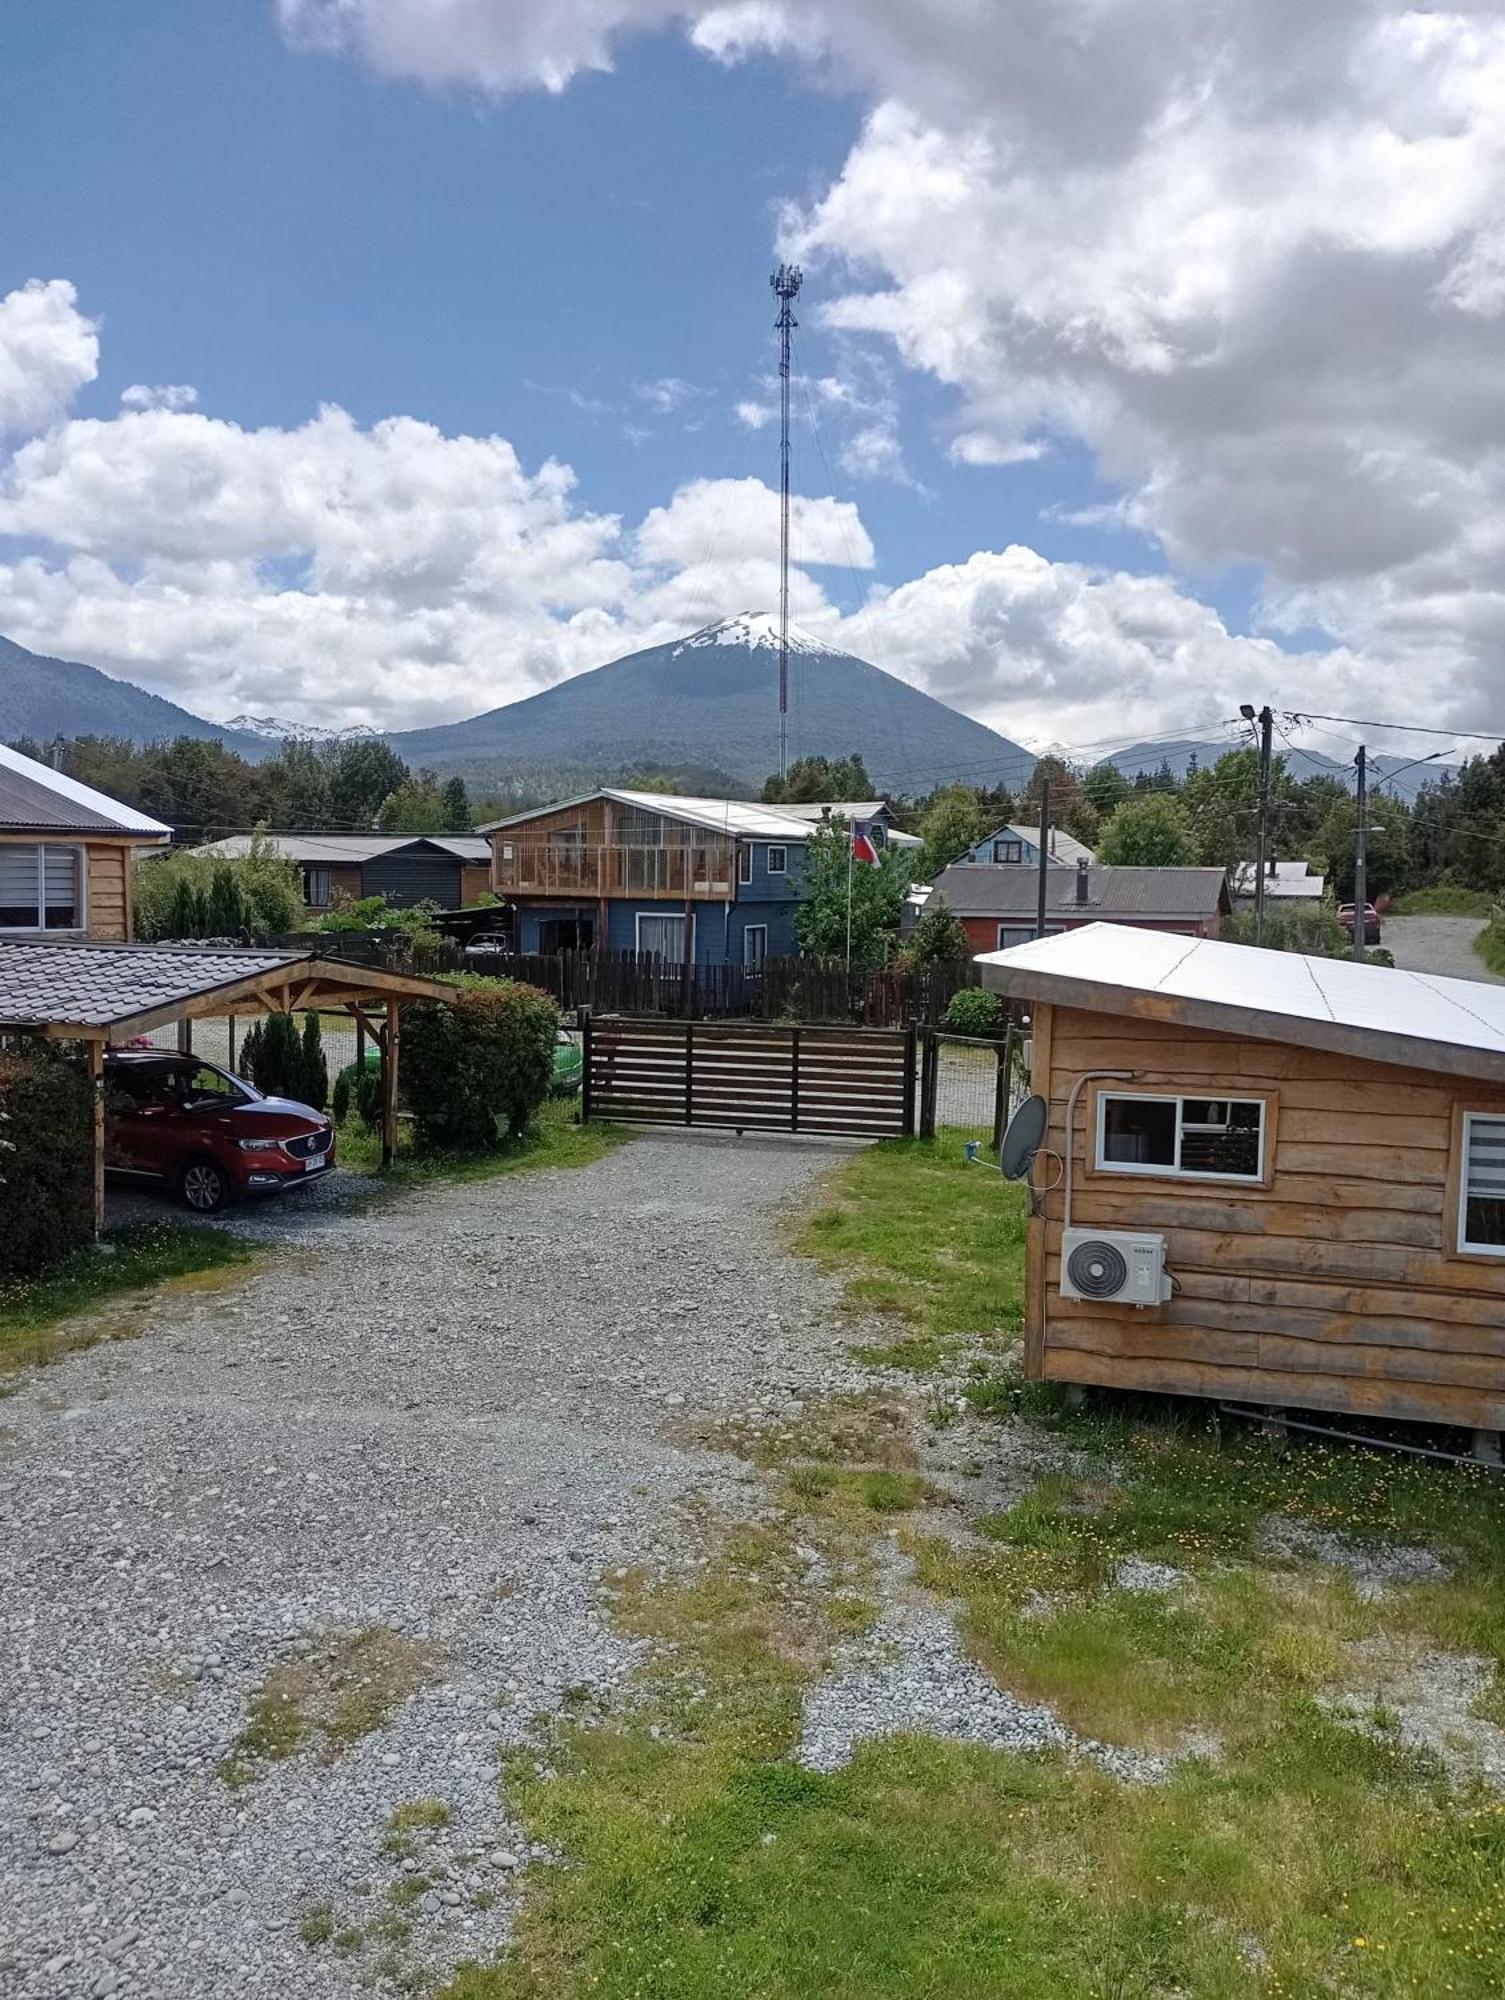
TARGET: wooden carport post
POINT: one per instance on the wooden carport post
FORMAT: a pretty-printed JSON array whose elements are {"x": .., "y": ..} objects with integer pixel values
[
  {"x": 389, "y": 1053},
  {"x": 96, "y": 1051}
]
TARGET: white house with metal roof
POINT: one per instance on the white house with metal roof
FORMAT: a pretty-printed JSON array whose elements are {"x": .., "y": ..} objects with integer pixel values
[
  {"x": 1264, "y": 1178},
  {"x": 65, "y": 853}
]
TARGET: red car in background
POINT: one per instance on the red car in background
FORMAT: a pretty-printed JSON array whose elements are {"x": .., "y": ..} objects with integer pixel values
[{"x": 211, "y": 1136}]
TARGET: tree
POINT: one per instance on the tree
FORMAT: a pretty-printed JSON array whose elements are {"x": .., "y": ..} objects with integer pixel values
[
  {"x": 1063, "y": 784},
  {"x": 950, "y": 824},
  {"x": 1316, "y": 932},
  {"x": 1106, "y": 786},
  {"x": 1222, "y": 808},
  {"x": 454, "y": 806},
  {"x": 301, "y": 774},
  {"x": 365, "y": 773},
  {"x": 415, "y": 806},
  {"x": 315, "y": 1069},
  {"x": 939, "y": 933},
  {"x": 812, "y": 780},
  {"x": 1388, "y": 856},
  {"x": 1148, "y": 830},
  {"x": 820, "y": 922},
  {"x": 485, "y": 1061},
  {"x": 226, "y": 910}
]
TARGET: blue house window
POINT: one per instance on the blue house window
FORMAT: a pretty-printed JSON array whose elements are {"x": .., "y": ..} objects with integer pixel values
[
  {"x": 778, "y": 861},
  {"x": 754, "y": 947},
  {"x": 744, "y": 861},
  {"x": 664, "y": 936}
]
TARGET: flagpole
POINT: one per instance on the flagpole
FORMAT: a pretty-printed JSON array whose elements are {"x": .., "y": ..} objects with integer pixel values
[{"x": 849, "y": 898}]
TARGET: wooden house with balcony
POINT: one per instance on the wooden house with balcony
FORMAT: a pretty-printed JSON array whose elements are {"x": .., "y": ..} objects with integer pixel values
[{"x": 698, "y": 881}]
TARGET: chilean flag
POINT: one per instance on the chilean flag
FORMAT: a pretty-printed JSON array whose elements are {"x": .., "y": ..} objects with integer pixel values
[{"x": 862, "y": 844}]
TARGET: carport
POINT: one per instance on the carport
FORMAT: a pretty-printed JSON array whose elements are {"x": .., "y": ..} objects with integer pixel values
[{"x": 103, "y": 993}]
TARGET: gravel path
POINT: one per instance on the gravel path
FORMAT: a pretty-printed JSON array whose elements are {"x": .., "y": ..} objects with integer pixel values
[
  {"x": 1443, "y": 945},
  {"x": 443, "y": 1416}
]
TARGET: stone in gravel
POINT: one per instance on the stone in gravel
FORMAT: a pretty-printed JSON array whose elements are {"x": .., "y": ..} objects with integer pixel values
[
  {"x": 1137, "y": 1573},
  {"x": 62, "y": 1843}
]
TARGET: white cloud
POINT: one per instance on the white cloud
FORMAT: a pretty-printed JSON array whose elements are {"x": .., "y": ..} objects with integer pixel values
[
  {"x": 1250, "y": 255},
  {"x": 164, "y": 396},
  {"x": 668, "y": 393},
  {"x": 736, "y": 519},
  {"x": 754, "y": 416},
  {"x": 48, "y": 351}
]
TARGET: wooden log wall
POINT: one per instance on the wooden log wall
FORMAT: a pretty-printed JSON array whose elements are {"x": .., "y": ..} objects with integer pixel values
[{"x": 1333, "y": 1286}]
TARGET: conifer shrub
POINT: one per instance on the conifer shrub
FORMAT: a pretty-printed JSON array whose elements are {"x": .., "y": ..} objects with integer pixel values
[{"x": 46, "y": 1158}]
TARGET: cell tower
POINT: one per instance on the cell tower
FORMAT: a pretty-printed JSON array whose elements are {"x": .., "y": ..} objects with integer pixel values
[{"x": 786, "y": 282}]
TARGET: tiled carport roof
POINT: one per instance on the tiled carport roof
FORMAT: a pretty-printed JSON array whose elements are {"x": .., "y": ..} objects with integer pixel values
[{"x": 94, "y": 988}]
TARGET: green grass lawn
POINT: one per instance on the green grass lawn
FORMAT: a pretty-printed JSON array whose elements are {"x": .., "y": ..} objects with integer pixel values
[
  {"x": 1442, "y": 902},
  {"x": 1295, "y": 1850},
  {"x": 555, "y": 1140},
  {"x": 41, "y": 1319},
  {"x": 927, "y": 1240}
]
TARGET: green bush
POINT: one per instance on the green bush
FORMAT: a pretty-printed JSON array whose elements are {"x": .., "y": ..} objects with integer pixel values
[
  {"x": 284, "y": 1063},
  {"x": 339, "y": 1102},
  {"x": 481, "y": 1065},
  {"x": 973, "y": 1011},
  {"x": 1315, "y": 932},
  {"x": 46, "y": 1159},
  {"x": 194, "y": 896},
  {"x": 939, "y": 934},
  {"x": 368, "y": 1095}
]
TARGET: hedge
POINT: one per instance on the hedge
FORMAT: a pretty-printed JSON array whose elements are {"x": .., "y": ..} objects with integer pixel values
[
  {"x": 46, "y": 1158},
  {"x": 479, "y": 1066}
]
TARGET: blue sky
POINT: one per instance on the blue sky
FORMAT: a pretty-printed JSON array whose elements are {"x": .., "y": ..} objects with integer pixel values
[{"x": 582, "y": 271}]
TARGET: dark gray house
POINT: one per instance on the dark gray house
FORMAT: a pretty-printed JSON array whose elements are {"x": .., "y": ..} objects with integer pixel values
[{"x": 450, "y": 869}]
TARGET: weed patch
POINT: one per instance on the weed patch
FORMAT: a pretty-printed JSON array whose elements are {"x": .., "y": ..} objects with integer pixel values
[
  {"x": 92, "y": 1294},
  {"x": 554, "y": 1139},
  {"x": 342, "y": 1690}
]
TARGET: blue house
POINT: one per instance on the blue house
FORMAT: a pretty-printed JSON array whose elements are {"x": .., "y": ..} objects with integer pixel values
[
  {"x": 1019, "y": 846},
  {"x": 708, "y": 881}
]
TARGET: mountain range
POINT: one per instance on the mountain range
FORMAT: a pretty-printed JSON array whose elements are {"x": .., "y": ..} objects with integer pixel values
[{"x": 701, "y": 708}]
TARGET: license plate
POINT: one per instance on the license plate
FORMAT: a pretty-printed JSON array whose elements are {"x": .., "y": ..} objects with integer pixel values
[{"x": 313, "y": 1163}]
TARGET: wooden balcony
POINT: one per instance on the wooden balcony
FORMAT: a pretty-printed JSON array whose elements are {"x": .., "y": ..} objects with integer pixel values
[{"x": 547, "y": 868}]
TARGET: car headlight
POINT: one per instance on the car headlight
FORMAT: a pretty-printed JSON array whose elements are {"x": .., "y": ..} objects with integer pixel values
[{"x": 259, "y": 1145}]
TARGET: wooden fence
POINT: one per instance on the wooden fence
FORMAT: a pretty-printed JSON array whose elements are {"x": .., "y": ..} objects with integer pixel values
[{"x": 751, "y": 1076}]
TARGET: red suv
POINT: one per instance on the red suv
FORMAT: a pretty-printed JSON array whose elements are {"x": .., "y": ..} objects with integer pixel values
[{"x": 210, "y": 1135}]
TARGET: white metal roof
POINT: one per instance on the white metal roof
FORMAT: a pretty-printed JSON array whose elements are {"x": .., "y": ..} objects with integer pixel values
[
  {"x": 1415, "y": 1018},
  {"x": 34, "y": 796},
  {"x": 333, "y": 849},
  {"x": 728, "y": 816},
  {"x": 1292, "y": 879}
]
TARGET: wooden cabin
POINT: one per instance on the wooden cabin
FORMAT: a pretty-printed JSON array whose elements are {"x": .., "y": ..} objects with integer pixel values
[
  {"x": 1295, "y": 1165},
  {"x": 65, "y": 854}
]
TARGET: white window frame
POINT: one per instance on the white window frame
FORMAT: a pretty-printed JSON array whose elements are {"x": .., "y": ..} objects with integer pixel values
[
  {"x": 1145, "y": 1170},
  {"x": 1028, "y": 938},
  {"x": 754, "y": 930},
  {"x": 745, "y": 862},
  {"x": 1014, "y": 860},
  {"x": 782, "y": 865},
  {"x": 315, "y": 874},
  {"x": 663, "y": 917},
  {"x": 80, "y": 922},
  {"x": 1464, "y": 1245}
]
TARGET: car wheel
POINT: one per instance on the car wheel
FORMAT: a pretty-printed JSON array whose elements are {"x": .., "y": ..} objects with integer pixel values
[{"x": 204, "y": 1185}]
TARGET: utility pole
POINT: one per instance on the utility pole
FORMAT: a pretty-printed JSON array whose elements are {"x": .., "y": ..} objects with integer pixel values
[
  {"x": 1044, "y": 856},
  {"x": 1266, "y": 723},
  {"x": 1361, "y": 855},
  {"x": 786, "y": 282}
]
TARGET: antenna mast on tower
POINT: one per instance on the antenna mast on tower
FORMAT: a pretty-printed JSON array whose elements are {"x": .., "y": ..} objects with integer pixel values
[{"x": 786, "y": 282}]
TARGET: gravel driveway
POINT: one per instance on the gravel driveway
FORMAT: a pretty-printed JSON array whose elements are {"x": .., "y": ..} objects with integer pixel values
[
  {"x": 1443, "y": 945},
  {"x": 438, "y": 1418}
]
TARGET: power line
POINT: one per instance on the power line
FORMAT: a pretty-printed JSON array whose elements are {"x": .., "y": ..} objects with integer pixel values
[{"x": 1305, "y": 715}]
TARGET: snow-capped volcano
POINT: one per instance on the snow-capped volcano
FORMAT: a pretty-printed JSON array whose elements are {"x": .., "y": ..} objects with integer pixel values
[
  {"x": 758, "y": 631},
  {"x": 273, "y": 729}
]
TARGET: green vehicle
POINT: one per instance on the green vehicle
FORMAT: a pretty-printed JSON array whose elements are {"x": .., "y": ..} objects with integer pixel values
[{"x": 569, "y": 1064}]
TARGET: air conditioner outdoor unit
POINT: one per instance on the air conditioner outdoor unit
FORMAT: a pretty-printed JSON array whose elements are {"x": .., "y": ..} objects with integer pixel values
[{"x": 1125, "y": 1266}]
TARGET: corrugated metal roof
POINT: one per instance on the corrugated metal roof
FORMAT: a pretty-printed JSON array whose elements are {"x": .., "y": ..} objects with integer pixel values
[
  {"x": 332, "y": 849},
  {"x": 725, "y": 816},
  {"x": 1415, "y": 1018},
  {"x": 1291, "y": 880},
  {"x": 1003, "y": 889},
  {"x": 36, "y": 799},
  {"x": 94, "y": 986}
]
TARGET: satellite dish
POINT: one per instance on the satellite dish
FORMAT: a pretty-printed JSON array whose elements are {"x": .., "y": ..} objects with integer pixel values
[{"x": 1021, "y": 1142}]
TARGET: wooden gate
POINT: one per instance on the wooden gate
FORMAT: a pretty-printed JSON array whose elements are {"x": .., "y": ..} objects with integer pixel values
[{"x": 750, "y": 1075}]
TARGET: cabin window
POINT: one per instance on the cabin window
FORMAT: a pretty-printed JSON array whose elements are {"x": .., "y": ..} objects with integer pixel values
[
  {"x": 1202, "y": 1138},
  {"x": 1481, "y": 1198},
  {"x": 1008, "y": 850},
  {"x": 663, "y": 936},
  {"x": 1011, "y": 934},
  {"x": 778, "y": 861},
  {"x": 316, "y": 888},
  {"x": 41, "y": 888}
]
